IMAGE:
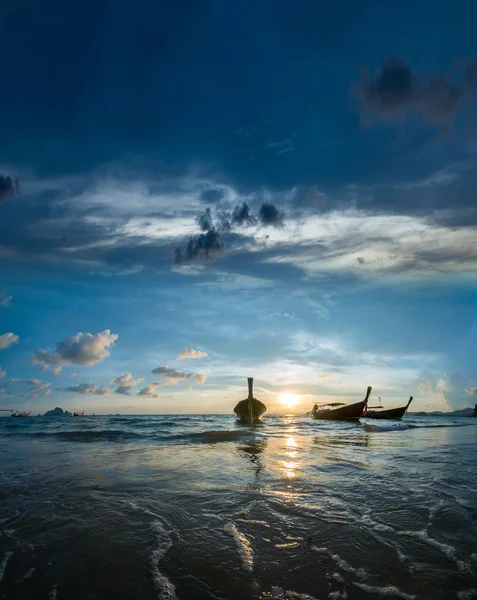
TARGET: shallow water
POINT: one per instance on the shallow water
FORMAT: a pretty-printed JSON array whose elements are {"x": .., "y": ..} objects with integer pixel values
[{"x": 200, "y": 507}]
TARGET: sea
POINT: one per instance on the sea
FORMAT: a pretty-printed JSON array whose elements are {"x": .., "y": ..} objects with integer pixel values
[{"x": 200, "y": 507}]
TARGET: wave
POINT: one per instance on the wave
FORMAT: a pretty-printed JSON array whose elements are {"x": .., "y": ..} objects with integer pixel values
[
  {"x": 81, "y": 436},
  {"x": 215, "y": 435},
  {"x": 405, "y": 426},
  {"x": 388, "y": 591}
]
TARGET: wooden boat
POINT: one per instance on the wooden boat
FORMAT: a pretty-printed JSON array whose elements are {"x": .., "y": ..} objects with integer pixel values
[
  {"x": 20, "y": 415},
  {"x": 392, "y": 413},
  {"x": 250, "y": 410},
  {"x": 346, "y": 412},
  {"x": 78, "y": 414}
]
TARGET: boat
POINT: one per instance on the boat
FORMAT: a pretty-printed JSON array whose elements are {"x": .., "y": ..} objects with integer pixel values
[
  {"x": 78, "y": 414},
  {"x": 20, "y": 415},
  {"x": 377, "y": 412},
  {"x": 345, "y": 412},
  {"x": 474, "y": 414},
  {"x": 250, "y": 410}
]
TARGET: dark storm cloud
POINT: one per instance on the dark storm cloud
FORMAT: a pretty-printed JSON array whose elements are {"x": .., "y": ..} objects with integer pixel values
[
  {"x": 8, "y": 187},
  {"x": 203, "y": 247},
  {"x": 242, "y": 215},
  {"x": 205, "y": 220},
  {"x": 270, "y": 216},
  {"x": 396, "y": 90}
]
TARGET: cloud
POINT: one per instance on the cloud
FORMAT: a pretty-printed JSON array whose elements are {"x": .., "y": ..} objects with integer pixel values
[
  {"x": 88, "y": 388},
  {"x": 5, "y": 300},
  {"x": 471, "y": 391},
  {"x": 203, "y": 247},
  {"x": 150, "y": 390},
  {"x": 270, "y": 215},
  {"x": 38, "y": 387},
  {"x": 5, "y": 387},
  {"x": 7, "y": 339},
  {"x": 173, "y": 376},
  {"x": 81, "y": 349},
  {"x": 324, "y": 376},
  {"x": 8, "y": 187},
  {"x": 205, "y": 221},
  {"x": 3, "y": 373},
  {"x": 125, "y": 383},
  {"x": 396, "y": 90},
  {"x": 192, "y": 354},
  {"x": 242, "y": 215}
]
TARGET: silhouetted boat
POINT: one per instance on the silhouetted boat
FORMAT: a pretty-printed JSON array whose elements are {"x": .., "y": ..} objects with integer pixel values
[
  {"x": 347, "y": 412},
  {"x": 474, "y": 414},
  {"x": 19, "y": 415},
  {"x": 392, "y": 413},
  {"x": 78, "y": 414},
  {"x": 250, "y": 410}
]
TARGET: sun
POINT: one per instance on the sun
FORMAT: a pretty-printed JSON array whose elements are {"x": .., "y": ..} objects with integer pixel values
[{"x": 289, "y": 400}]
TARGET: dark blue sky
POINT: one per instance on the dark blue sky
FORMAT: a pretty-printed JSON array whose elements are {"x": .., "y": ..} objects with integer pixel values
[{"x": 335, "y": 149}]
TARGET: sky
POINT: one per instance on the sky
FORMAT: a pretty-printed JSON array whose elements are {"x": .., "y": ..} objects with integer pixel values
[{"x": 197, "y": 192}]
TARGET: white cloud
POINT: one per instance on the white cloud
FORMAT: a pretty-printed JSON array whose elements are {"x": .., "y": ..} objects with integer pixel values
[
  {"x": 173, "y": 376},
  {"x": 5, "y": 387},
  {"x": 150, "y": 390},
  {"x": 7, "y": 339},
  {"x": 5, "y": 300},
  {"x": 2, "y": 373},
  {"x": 125, "y": 383},
  {"x": 38, "y": 387},
  {"x": 82, "y": 349},
  {"x": 191, "y": 353},
  {"x": 88, "y": 388},
  {"x": 369, "y": 245}
]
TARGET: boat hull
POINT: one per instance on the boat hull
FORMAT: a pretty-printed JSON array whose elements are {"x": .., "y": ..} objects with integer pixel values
[
  {"x": 393, "y": 413},
  {"x": 243, "y": 412},
  {"x": 351, "y": 412}
]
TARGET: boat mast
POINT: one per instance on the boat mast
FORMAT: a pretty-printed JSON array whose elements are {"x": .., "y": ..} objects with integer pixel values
[{"x": 250, "y": 396}]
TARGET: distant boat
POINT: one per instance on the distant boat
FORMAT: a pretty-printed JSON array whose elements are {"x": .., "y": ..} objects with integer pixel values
[
  {"x": 347, "y": 412},
  {"x": 392, "y": 413},
  {"x": 20, "y": 415},
  {"x": 78, "y": 414},
  {"x": 250, "y": 410}
]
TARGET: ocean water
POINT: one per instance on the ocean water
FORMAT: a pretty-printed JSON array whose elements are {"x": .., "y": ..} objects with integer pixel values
[{"x": 199, "y": 507}]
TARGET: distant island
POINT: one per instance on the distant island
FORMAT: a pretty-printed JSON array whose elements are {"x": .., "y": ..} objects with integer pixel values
[
  {"x": 57, "y": 412},
  {"x": 463, "y": 412}
]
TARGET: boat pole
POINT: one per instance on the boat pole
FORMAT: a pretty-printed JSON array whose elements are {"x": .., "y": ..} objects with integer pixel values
[{"x": 250, "y": 397}]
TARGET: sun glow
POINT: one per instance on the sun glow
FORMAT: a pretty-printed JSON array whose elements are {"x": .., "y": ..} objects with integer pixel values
[{"x": 289, "y": 400}]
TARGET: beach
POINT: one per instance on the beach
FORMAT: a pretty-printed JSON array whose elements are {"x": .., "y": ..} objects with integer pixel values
[{"x": 198, "y": 506}]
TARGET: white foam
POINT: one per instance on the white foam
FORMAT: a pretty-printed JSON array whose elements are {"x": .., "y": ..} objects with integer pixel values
[
  {"x": 54, "y": 592},
  {"x": 3, "y": 565},
  {"x": 388, "y": 590},
  {"x": 337, "y": 595},
  {"x": 341, "y": 563},
  {"x": 447, "y": 550},
  {"x": 253, "y": 522},
  {"x": 281, "y": 594},
  {"x": 164, "y": 588},
  {"x": 29, "y": 573},
  {"x": 244, "y": 546},
  {"x": 467, "y": 594}
]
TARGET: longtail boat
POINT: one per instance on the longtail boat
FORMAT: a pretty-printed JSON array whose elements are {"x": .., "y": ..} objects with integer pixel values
[
  {"x": 376, "y": 412},
  {"x": 78, "y": 414},
  {"x": 346, "y": 412},
  {"x": 250, "y": 410},
  {"x": 19, "y": 415}
]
